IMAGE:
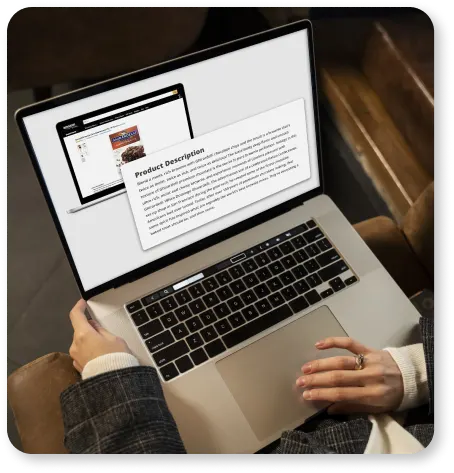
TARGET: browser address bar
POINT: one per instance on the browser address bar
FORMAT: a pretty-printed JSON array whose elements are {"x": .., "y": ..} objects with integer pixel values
[{"x": 129, "y": 107}]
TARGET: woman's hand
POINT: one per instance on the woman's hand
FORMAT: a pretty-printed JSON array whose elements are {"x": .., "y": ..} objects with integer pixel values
[
  {"x": 377, "y": 387},
  {"x": 90, "y": 339}
]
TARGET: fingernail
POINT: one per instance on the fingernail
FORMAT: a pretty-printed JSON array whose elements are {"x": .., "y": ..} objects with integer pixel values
[
  {"x": 300, "y": 382},
  {"x": 307, "y": 395},
  {"x": 319, "y": 344},
  {"x": 307, "y": 368}
]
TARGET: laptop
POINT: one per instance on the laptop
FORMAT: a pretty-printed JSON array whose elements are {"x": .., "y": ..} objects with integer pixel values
[{"x": 224, "y": 261}]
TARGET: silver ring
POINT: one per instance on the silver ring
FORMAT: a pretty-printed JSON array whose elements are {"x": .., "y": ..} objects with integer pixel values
[{"x": 359, "y": 361}]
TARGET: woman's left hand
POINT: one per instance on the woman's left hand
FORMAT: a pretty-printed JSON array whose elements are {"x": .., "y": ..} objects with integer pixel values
[{"x": 377, "y": 387}]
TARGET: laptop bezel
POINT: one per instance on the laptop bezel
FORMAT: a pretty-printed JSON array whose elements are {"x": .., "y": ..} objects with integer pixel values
[{"x": 151, "y": 72}]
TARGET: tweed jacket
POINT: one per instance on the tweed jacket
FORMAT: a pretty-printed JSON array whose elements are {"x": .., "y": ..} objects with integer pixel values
[{"x": 124, "y": 411}]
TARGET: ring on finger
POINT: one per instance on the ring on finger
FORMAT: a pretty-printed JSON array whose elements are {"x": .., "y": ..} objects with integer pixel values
[{"x": 359, "y": 361}]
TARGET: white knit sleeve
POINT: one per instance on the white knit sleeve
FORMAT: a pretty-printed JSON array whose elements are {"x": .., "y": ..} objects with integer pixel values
[
  {"x": 109, "y": 362},
  {"x": 412, "y": 365}
]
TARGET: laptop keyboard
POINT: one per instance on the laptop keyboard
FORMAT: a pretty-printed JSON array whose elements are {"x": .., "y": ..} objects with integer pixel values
[{"x": 186, "y": 324}]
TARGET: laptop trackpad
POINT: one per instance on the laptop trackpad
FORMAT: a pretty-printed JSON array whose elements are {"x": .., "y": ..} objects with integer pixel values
[{"x": 262, "y": 376}]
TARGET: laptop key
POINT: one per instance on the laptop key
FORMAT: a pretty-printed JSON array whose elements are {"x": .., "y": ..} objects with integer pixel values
[
  {"x": 301, "y": 256},
  {"x": 248, "y": 297},
  {"x": 221, "y": 310},
  {"x": 223, "y": 278},
  {"x": 177, "y": 350},
  {"x": 210, "y": 284},
  {"x": 287, "y": 278},
  {"x": 183, "y": 313},
  {"x": 249, "y": 265},
  {"x": 222, "y": 327},
  {"x": 328, "y": 257},
  {"x": 251, "y": 280},
  {"x": 337, "y": 284},
  {"x": 236, "y": 320},
  {"x": 238, "y": 286},
  {"x": 299, "y": 304},
  {"x": 194, "y": 341},
  {"x": 298, "y": 242},
  {"x": 299, "y": 271},
  {"x": 262, "y": 290},
  {"x": 286, "y": 247},
  {"x": 289, "y": 293},
  {"x": 208, "y": 317},
  {"x": 184, "y": 364},
  {"x": 197, "y": 290},
  {"x": 274, "y": 253},
  {"x": 327, "y": 293},
  {"x": 276, "y": 299},
  {"x": 333, "y": 270},
  {"x": 312, "y": 297},
  {"x": 194, "y": 324},
  {"x": 169, "y": 320},
  {"x": 235, "y": 304},
  {"x": 311, "y": 265},
  {"x": 311, "y": 224},
  {"x": 256, "y": 326},
  {"x": 301, "y": 286},
  {"x": 169, "y": 304},
  {"x": 140, "y": 317},
  {"x": 312, "y": 250},
  {"x": 208, "y": 334},
  {"x": 169, "y": 372},
  {"x": 151, "y": 328},
  {"x": 214, "y": 348},
  {"x": 236, "y": 272},
  {"x": 198, "y": 356},
  {"x": 263, "y": 306},
  {"x": 262, "y": 259},
  {"x": 250, "y": 312},
  {"x": 324, "y": 244},
  {"x": 350, "y": 280},
  {"x": 288, "y": 261},
  {"x": 162, "y": 340},
  {"x": 133, "y": 306},
  {"x": 275, "y": 284},
  {"x": 154, "y": 310},
  {"x": 182, "y": 297},
  {"x": 313, "y": 280},
  {"x": 263, "y": 274},
  {"x": 276, "y": 267},
  {"x": 197, "y": 306},
  {"x": 180, "y": 331},
  {"x": 211, "y": 299},
  {"x": 224, "y": 293},
  {"x": 313, "y": 235}
]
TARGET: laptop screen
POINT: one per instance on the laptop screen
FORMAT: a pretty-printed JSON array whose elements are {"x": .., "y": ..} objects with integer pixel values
[{"x": 139, "y": 172}]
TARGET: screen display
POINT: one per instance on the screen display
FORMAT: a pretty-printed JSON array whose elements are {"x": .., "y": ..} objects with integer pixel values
[{"x": 143, "y": 170}]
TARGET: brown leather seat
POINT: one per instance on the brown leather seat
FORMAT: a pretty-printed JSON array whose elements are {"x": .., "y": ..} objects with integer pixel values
[{"x": 34, "y": 390}]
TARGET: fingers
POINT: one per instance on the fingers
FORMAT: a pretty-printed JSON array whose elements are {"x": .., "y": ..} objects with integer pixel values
[
  {"x": 332, "y": 379},
  {"x": 77, "y": 315},
  {"x": 343, "y": 342},
  {"x": 350, "y": 394},
  {"x": 330, "y": 364}
]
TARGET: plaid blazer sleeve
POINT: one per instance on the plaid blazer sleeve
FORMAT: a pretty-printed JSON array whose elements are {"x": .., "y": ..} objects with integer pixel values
[{"x": 121, "y": 411}]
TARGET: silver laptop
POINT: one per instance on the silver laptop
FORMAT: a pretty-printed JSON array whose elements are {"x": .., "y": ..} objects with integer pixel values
[{"x": 226, "y": 276}]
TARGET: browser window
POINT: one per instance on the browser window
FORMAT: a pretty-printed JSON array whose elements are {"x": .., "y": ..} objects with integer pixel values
[{"x": 237, "y": 138}]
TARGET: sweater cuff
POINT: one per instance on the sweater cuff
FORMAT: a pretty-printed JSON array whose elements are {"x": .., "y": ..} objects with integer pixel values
[
  {"x": 109, "y": 362},
  {"x": 412, "y": 365}
]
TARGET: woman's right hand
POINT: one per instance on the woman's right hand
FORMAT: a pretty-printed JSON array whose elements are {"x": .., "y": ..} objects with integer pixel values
[{"x": 377, "y": 387}]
